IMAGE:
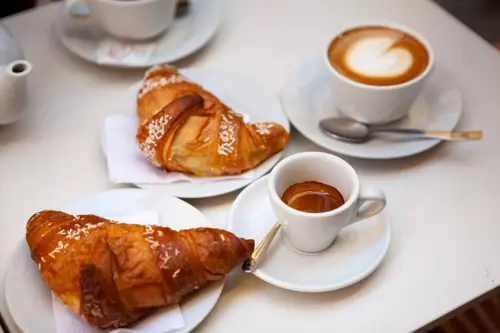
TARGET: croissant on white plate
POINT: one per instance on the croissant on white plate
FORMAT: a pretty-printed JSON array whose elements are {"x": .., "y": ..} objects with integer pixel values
[
  {"x": 113, "y": 274},
  {"x": 187, "y": 129}
]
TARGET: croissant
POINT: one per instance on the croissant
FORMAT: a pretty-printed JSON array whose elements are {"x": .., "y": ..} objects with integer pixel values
[
  {"x": 187, "y": 129},
  {"x": 113, "y": 274}
]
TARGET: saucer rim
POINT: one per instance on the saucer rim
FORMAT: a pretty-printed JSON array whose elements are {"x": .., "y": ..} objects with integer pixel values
[
  {"x": 301, "y": 288},
  {"x": 288, "y": 86}
]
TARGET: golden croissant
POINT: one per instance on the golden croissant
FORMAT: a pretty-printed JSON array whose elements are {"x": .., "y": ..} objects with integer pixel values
[
  {"x": 187, "y": 129},
  {"x": 112, "y": 274}
]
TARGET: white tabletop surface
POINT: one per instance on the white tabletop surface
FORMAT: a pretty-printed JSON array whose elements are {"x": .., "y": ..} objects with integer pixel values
[{"x": 442, "y": 204}]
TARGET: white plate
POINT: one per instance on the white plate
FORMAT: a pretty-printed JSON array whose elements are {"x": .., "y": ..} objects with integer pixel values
[
  {"x": 243, "y": 96},
  {"x": 307, "y": 98},
  {"x": 29, "y": 299},
  {"x": 358, "y": 250},
  {"x": 188, "y": 34}
]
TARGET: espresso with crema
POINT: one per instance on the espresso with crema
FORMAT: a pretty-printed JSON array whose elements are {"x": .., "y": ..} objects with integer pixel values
[
  {"x": 378, "y": 55},
  {"x": 312, "y": 197}
]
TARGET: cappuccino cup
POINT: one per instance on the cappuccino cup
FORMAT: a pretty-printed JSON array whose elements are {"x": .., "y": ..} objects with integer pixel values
[
  {"x": 314, "y": 232},
  {"x": 127, "y": 19},
  {"x": 377, "y": 70}
]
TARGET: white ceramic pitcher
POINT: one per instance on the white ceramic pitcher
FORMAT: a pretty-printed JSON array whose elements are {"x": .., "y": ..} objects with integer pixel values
[{"x": 13, "y": 73}]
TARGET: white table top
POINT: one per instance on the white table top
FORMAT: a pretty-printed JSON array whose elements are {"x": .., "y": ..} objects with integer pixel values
[{"x": 442, "y": 203}]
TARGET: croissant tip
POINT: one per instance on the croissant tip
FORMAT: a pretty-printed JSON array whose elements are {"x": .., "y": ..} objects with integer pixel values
[
  {"x": 249, "y": 245},
  {"x": 41, "y": 215}
]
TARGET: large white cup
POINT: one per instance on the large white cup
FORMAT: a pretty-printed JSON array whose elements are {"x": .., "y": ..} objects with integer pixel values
[
  {"x": 129, "y": 19},
  {"x": 314, "y": 232},
  {"x": 373, "y": 104}
]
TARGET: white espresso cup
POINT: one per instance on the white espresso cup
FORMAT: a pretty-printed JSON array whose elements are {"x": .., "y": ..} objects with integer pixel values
[
  {"x": 127, "y": 19},
  {"x": 377, "y": 104},
  {"x": 314, "y": 232}
]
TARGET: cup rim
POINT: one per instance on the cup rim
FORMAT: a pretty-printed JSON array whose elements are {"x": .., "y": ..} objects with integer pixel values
[
  {"x": 387, "y": 24},
  {"x": 283, "y": 163}
]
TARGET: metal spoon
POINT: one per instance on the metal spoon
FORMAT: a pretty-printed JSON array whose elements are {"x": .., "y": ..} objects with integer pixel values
[
  {"x": 250, "y": 265},
  {"x": 349, "y": 130}
]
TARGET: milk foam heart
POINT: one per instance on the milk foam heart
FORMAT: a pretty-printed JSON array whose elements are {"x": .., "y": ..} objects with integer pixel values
[{"x": 378, "y": 57}]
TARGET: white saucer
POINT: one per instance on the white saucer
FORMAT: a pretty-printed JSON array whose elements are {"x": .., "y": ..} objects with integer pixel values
[
  {"x": 29, "y": 299},
  {"x": 188, "y": 34},
  {"x": 307, "y": 98},
  {"x": 358, "y": 250},
  {"x": 244, "y": 96}
]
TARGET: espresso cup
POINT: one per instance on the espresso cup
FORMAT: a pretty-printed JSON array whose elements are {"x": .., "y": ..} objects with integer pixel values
[
  {"x": 371, "y": 103},
  {"x": 127, "y": 19},
  {"x": 314, "y": 232}
]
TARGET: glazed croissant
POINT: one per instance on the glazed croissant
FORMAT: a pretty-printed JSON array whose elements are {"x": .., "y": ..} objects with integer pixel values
[
  {"x": 112, "y": 273},
  {"x": 187, "y": 129}
]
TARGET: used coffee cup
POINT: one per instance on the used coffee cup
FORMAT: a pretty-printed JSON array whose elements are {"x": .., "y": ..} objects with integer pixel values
[
  {"x": 377, "y": 70},
  {"x": 128, "y": 19},
  {"x": 314, "y": 232}
]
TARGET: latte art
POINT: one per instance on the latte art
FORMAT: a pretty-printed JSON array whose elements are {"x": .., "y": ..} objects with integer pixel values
[{"x": 378, "y": 56}]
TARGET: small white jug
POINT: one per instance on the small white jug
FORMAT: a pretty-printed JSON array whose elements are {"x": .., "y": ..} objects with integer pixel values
[{"x": 13, "y": 74}]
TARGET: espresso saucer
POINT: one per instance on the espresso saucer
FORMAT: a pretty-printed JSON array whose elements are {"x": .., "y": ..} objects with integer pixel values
[
  {"x": 356, "y": 252},
  {"x": 307, "y": 98},
  {"x": 189, "y": 33}
]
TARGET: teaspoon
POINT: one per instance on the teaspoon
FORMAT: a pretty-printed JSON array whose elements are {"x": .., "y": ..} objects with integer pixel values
[
  {"x": 250, "y": 265},
  {"x": 349, "y": 130}
]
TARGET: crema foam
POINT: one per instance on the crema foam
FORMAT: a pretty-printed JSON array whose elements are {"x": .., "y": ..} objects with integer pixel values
[{"x": 377, "y": 55}]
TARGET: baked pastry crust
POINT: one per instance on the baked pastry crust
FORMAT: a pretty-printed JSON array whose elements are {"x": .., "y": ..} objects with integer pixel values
[
  {"x": 112, "y": 274},
  {"x": 187, "y": 129}
]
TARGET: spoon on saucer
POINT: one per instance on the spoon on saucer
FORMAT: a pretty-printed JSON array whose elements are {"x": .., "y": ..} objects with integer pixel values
[
  {"x": 350, "y": 130},
  {"x": 250, "y": 265}
]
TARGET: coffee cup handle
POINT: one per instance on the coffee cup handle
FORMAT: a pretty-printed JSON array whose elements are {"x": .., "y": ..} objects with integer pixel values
[
  {"x": 77, "y": 8},
  {"x": 371, "y": 201}
]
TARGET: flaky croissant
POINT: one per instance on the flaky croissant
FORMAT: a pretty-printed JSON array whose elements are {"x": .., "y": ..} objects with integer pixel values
[
  {"x": 112, "y": 273},
  {"x": 187, "y": 129}
]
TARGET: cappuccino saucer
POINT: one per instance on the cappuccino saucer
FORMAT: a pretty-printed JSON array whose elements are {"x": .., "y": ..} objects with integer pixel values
[
  {"x": 307, "y": 98},
  {"x": 83, "y": 37},
  {"x": 358, "y": 250}
]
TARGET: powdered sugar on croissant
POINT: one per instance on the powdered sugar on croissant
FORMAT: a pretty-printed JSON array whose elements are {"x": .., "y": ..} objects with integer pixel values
[{"x": 187, "y": 129}]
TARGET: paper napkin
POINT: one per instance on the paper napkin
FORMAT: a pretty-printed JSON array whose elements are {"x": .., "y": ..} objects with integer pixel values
[
  {"x": 126, "y": 164},
  {"x": 162, "y": 321},
  {"x": 114, "y": 52}
]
